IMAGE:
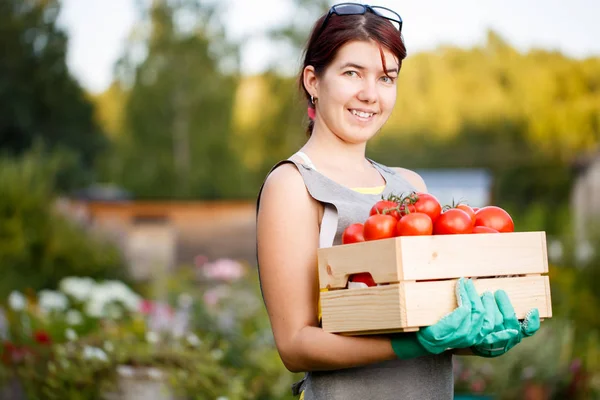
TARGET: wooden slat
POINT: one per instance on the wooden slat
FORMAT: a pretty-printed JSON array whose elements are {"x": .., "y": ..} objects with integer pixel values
[
  {"x": 435, "y": 257},
  {"x": 427, "y": 302},
  {"x": 338, "y": 262},
  {"x": 410, "y": 305},
  {"x": 368, "y": 309},
  {"x": 455, "y": 256}
]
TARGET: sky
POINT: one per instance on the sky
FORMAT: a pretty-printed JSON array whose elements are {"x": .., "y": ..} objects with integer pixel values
[{"x": 98, "y": 29}]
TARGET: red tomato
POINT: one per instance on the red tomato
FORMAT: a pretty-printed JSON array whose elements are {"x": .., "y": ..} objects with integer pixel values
[
  {"x": 379, "y": 226},
  {"x": 475, "y": 209},
  {"x": 363, "y": 277},
  {"x": 406, "y": 209},
  {"x": 468, "y": 210},
  {"x": 353, "y": 234},
  {"x": 495, "y": 218},
  {"x": 428, "y": 204},
  {"x": 483, "y": 229},
  {"x": 382, "y": 205},
  {"x": 453, "y": 221},
  {"x": 415, "y": 224}
]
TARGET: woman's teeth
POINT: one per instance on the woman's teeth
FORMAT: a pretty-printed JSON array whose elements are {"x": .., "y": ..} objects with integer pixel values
[{"x": 362, "y": 114}]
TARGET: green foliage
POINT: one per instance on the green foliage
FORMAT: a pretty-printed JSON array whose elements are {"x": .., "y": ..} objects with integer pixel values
[
  {"x": 38, "y": 245},
  {"x": 177, "y": 126},
  {"x": 223, "y": 347},
  {"x": 39, "y": 99}
]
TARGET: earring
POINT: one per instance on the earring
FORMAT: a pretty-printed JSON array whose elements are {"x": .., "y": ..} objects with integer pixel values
[{"x": 312, "y": 99}]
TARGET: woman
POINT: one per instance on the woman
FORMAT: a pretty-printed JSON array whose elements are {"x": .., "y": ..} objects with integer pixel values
[{"x": 349, "y": 75}]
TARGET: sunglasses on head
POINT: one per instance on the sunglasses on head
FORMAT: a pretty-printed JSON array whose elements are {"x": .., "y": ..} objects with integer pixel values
[{"x": 360, "y": 9}]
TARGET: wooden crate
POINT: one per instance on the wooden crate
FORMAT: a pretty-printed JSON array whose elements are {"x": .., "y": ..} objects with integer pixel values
[{"x": 419, "y": 275}]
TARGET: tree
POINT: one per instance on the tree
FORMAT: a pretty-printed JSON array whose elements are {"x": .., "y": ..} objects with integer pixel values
[
  {"x": 39, "y": 99},
  {"x": 177, "y": 126}
]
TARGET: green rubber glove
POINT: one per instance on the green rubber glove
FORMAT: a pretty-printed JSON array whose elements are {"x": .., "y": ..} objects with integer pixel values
[
  {"x": 406, "y": 346},
  {"x": 463, "y": 327},
  {"x": 508, "y": 331}
]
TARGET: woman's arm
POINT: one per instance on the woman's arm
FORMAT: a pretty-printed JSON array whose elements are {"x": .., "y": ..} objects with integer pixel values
[{"x": 288, "y": 237}]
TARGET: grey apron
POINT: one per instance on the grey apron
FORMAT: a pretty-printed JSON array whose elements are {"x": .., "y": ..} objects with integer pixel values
[{"x": 423, "y": 378}]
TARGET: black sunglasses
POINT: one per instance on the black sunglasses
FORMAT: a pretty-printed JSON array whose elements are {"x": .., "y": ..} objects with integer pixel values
[{"x": 360, "y": 9}]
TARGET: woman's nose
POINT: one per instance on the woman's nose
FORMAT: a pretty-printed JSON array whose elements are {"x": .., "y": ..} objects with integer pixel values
[{"x": 368, "y": 92}]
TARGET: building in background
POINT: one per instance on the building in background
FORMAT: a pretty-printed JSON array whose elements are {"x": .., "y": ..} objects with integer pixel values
[
  {"x": 472, "y": 186},
  {"x": 157, "y": 236}
]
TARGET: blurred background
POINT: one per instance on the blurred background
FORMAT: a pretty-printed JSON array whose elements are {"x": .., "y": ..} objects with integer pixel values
[{"x": 135, "y": 135}]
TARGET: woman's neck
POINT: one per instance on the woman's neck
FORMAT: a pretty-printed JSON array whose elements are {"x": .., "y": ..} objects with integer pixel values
[{"x": 328, "y": 151}]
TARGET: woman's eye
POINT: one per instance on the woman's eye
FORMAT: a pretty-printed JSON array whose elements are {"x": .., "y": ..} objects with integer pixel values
[
  {"x": 388, "y": 79},
  {"x": 350, "y": 73}
]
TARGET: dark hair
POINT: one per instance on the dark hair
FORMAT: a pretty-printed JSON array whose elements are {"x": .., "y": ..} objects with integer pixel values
[{"x": 322, "y": 47}]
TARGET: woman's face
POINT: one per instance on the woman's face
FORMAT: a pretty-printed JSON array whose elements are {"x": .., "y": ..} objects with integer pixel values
[{"x": 355, "y": 97}]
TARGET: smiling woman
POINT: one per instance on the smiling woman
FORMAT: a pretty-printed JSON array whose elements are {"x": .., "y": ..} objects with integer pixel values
[{"x": 352, "y": 60}]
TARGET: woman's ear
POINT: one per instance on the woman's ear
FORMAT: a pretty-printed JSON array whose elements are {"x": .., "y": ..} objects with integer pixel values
[{"x": 311, "y": 83}]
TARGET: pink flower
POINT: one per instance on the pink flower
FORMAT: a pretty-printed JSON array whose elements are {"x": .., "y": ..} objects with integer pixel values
[
  {"x": 147, "y": 307},
  {"x": 200, "y": 260},
  {"x": 161, "y": 318},
  {"x": 478, "y": 386},
  {"x": 223, "y": 269},
  {"x": 211, "y": 297}
]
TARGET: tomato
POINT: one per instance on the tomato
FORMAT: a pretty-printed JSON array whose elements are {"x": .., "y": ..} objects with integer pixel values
[
  {"x": 428, "y": 204},
  {"x": 382, "y": 205},
  {"x": 475, "y": 209},
  {"x": 379, "y": 226},
  {"x": 406, "y": 209},
  {"x": 363, "y": 277},
  {"x": 415, "y": 224},
  {"x": 453, "y": 221},
  {"x": 469, "y": 211},
  {"x": 484, "y": 229},
  {"x": 353, "y": 234},
  {"x": 495, "y": 218}
]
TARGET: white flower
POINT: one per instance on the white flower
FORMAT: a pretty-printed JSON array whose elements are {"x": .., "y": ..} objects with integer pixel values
[
  {"x": 70, "y": 334},
  {"x": 17, "y": 301},
  {"x": 193, "y": 340},
  {"x": 222, "y": 398},
  {"x": 152, "y": 337},
  {"x": 154, "y": 373},
  {"x": 111, "y": 293},
  {"x": 125, "y": 370},
  {"x": 108, "y": 346},
  {"x": 94, "y": 353},
  {"x": 78, "y": 288},
  {"x": 74, "y": 317},
  {"x": 51, "y": 300}
]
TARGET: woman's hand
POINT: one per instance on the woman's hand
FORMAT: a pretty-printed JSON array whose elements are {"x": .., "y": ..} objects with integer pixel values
[
  {"x": 507, "y": 332},
  {"x": 466, "y": 326}
]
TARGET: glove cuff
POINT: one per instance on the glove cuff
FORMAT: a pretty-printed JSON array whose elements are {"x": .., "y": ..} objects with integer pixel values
[
  {"x": 484, "y": 353},
  {"x": 406, "y": 346}
]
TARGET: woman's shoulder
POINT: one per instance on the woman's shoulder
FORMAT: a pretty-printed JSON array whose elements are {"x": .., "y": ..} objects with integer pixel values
[
  {"x": 412, "y": 177},
  {"x": 284, "y": 183}
]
